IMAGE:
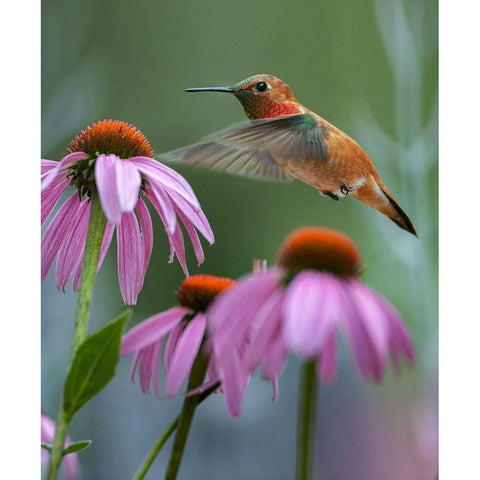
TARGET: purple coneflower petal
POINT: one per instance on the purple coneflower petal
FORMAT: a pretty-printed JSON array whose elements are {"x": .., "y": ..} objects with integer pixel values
[
  {"x": 171, "y": 345},
  {"x": 264, "y": 325},
  {"x": 185, "y": 353},
  {"x": 310, "y": 312},
  {"x": 51, "y": 195},
  {"x": 56, "y": 232},
  {"x": 118, "y": 182},
  {"x": 195, "y": 214},
  {"x": 192, "y": 233},
  {"x": 158, "y": 174},
  {"x": 164, "y": 208},
  {"x": 71, "y": 252},
  {"x": 327, "y": 360},
  {"x": 61, "y": 166},
  {"x": 146, "y": 366},
  {"x": 245, "y": 299},
  {"x": 370, "y": 360},
  {"x": 275, "y": 357},
  {"x": 234, "y": 381},
  {"x": 146, "y": 231},
  {"x": 130, "y": 258},
  {"x": 152, "y": 329},
  {"x": 46, "y": 165}
]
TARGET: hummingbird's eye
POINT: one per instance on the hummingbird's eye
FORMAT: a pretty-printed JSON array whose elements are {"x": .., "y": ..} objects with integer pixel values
[{"x": 261, "y": 86}]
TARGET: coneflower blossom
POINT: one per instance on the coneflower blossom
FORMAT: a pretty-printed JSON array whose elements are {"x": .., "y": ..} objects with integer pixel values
[
  {"x": 71, "y": 467},
  {"x": 114, "y": 159},
  {"x": 185, "y": 326},
  {"x": 299, "y": 306}
]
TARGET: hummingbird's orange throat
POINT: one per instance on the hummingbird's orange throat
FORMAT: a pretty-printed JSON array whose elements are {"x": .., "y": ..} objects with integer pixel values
[{"x": 257, "y": 108}]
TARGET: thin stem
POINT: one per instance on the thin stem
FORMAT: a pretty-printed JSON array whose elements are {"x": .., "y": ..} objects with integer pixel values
[
  {"x": 147, "y": 463},
  {"x": 186, "y": 416},
  {"x": 306, "y": 422},
  {"x": 96, "y": 228}
]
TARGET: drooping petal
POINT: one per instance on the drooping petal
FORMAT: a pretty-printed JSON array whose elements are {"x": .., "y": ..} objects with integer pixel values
[
  {"x": 310, "y": 312},
  {"x": 61, "y": 166},
  {"x": 47, "y": 165},
  {"x": 51, "y": 195},
  {"x": 264, "y": 325},
  {"x": 148, "y": 361},
  {"x": 130, "y": 259},
  {"x": 369, "y": 357},
  {"x": 164, "y": 177},
  {"x": 71, "y": 252},
  {"x": 56, "y": 232},
  {"x": 195, "y": 214},
  {"x": 192, "y": 233},
  {"x": 185, "y": 352},
  {"x": 171, "y": 345},
  {"x": 152, "y": 329},
  {"x": 164, "y": 208},
  {"x": 327, "y": 360},
  {"x": 275, "y": 357},
  {"x": 118, "y": 183},
  {"x": 234, "y": 382},
  {"x": 146, "y": 230}
]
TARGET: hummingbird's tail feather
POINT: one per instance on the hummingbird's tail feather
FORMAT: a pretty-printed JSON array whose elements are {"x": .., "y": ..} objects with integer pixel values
[{"x": 396, "y": 214}]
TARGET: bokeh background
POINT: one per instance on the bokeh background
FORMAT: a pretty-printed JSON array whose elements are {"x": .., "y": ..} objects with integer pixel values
[{"x": 370, "y": 68}]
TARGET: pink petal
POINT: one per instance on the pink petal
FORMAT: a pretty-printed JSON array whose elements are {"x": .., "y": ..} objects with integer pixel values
[
  {"x": 310, "y": 311},
  {"x": 152, "y": 329},
  {"x": 130, "y": 258},
  {"x": 56, "y": 232},
  {"x": 171, "y": 345},
  {"x": 47, "y": 165},
  {"x": 118, "y": 182},
  {"x": 264, "y": 325},
  {"x": 51, "y": 195},
  {"x": 164, "y": 208},
  {"x": 327, "y": 360},
  {"x": 164, "y": 177},
  {"x": 185, "y": 353},
  {"x": 61, "y": 166},
  {"x": 146, "y": 231},
  {"x": 231, "y": 314},
  {"x": 275, "y": 357},
  {"x": 234, "y": 382},
  {"x": 70, "y": 253},
  {"x": 192, "y": 233},
  {"x": 195, "y": 214}
]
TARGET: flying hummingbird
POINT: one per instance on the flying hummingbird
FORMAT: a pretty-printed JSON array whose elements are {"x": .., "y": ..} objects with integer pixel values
[{"x": 284, "y": 139}]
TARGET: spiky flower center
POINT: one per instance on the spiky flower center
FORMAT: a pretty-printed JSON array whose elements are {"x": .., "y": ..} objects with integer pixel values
[
  {"x": 111, "y": 136},
  {"x": 321, "y": 249},
  {"x": 105, "y": 137},
  {"x": 199, "y": 291}
]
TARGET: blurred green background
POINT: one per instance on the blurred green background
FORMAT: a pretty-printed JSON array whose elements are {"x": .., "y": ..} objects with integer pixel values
[{"x": 370, "y": 68}]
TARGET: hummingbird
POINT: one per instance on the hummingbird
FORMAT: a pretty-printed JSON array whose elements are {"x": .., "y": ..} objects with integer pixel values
[{"x": 285, "y": 140}]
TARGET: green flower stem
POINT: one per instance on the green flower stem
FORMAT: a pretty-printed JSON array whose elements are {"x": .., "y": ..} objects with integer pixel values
[
  {"x": 306, "y": 422},
  {"x": 147, "y": 463},
  {"x": 96, "y": 228},
  {"x": 197, "y": 376}
]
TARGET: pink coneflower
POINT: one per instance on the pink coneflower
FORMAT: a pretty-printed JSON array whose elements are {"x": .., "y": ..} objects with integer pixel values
[
  {"x": 71, "y": 468},
  {"x": 185, "y": 326},
  {"x": 115, "y": 160},
  {"x": 299, "y": 306}
]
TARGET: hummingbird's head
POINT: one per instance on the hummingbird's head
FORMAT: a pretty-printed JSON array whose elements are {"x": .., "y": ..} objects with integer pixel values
[{"x": 262, "y": 96}]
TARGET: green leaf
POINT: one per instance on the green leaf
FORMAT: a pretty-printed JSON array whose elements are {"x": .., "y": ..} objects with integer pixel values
[
  {"x": 76, "y": 446},
  {"x": 94, "y": 365},
  {"x": 47, "y": 446}
]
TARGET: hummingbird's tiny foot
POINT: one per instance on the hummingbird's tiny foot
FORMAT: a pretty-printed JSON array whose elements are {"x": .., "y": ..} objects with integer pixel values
[
  {"x": 330, "y": 194},
  {"x": 346, "y": 190}
]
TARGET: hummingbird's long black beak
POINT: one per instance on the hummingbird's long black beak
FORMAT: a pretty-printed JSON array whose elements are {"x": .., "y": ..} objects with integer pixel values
[{"x": 211, "y": 89}]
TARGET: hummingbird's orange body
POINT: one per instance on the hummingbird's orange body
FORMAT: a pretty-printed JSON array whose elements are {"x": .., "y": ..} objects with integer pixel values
[{"x": 286, "y": 140}]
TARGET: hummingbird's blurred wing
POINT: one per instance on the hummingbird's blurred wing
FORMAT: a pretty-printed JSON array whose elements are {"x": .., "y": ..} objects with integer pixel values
[{"x": 253, "y": 148}]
